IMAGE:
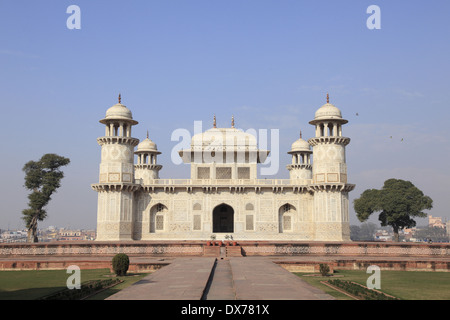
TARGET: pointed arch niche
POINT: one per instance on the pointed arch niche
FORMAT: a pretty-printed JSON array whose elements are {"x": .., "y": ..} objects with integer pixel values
[
  {"x": 285, "y": 218},
  {"x": 158, "y": 218}
]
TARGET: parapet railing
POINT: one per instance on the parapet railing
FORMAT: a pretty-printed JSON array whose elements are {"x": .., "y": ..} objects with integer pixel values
[{"x": 268, "y": 182}]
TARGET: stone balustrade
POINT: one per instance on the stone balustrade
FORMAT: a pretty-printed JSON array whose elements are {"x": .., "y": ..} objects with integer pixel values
[{"x": 249, "y": 248}]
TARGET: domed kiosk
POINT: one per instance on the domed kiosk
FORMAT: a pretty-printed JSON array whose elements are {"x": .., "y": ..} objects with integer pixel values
[
  {"x": 146, "y": 168},
  {"x": 300, "y": 168}
]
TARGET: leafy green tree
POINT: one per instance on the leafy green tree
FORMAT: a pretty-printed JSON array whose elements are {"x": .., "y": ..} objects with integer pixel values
[
  {"x": 120, "y": 264},
  {"x": 324, "y": 269},
  {"x": 398, "y": 202},
  {"x": 43, "y": 178}
]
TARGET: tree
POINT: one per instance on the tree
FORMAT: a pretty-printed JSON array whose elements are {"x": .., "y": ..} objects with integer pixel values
[
  {"x": 43, "y": 178},
  {"x": 398, "y": 202},
  {"x": 120, "y": 264},
  {"x": 324, "y": 269}
]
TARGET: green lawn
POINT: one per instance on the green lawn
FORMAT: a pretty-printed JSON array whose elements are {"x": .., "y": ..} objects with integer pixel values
[
  {"x": 406, "y": 285},
  {"x": 33, "y": 284}
]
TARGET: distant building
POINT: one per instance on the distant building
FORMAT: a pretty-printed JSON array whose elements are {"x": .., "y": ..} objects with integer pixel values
[
  {"x": 383, "y": 235},
  {"x": 13, "y": 236},
  {"x": 47, "y": 235},
  {"x": 408, "y": 234},
  {"x": 74, "y": 235},
  {"x": 448, "y": 228},
  {"x": 69, "y": 235},
  {"x": 435, "y": 222}
]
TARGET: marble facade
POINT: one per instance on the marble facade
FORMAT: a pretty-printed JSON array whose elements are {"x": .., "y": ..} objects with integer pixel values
[{"x": 224, "y": 196}]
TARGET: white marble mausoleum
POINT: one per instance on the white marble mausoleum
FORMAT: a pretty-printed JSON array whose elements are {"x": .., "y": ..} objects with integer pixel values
[{"x": 223, "y": 196}]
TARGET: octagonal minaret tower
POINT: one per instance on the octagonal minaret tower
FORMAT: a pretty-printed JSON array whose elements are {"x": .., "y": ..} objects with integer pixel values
[
  {"x": 116, "y": 180},
  {"x": 330, "y": 175},
  {"x": 300, "y": 168},
  {"x": 147, "y": 167}
]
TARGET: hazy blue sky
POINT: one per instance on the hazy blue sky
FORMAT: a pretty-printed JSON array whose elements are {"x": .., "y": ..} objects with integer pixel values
[{"x": 270, "y": 63}]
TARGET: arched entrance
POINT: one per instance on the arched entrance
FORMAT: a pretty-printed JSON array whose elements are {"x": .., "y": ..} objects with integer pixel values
[{"x": 223, "y": 219}]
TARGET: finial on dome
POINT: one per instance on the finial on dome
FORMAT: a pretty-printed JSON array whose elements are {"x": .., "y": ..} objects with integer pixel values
[
  {"x": 120, "y": 98},
  {"x": 328, "y": 98},
  {"x": 214, "y": 123},
  {"x": 232, "y": 121},
  {"x": 147, "y": 134},
  {"x": 300, "y": 134}
]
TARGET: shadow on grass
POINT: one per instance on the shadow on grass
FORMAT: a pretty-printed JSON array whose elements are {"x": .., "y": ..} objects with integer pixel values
[
  {"x": 35, "y": 284},
  {"x": 28, "y": 294},
  {"x": 128, "y": 280}
]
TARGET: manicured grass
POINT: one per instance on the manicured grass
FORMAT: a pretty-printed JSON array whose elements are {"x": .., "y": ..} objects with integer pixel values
[
  {"x": 315, "y": 281},
  {"x": 406, "y": 285},
  {"x": 127, "y": 281},
  {"x": 33, "y": 284}
]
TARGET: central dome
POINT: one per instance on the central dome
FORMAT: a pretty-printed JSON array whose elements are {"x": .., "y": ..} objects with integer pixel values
[
  {"x": 224, "y": 139},
  {"x": 225, "y": 145}
]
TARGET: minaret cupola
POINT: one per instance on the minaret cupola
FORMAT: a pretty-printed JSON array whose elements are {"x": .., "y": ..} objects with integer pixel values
[
  {"x": 328, "y": 120},
  {"x": 118, "y": 120},
  {"x": 300, "y": 168},
  {"x": 146, "y": 167}
]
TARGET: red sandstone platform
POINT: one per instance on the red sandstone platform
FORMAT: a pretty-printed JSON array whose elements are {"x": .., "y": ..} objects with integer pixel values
[{"x": 295, "y": 256}]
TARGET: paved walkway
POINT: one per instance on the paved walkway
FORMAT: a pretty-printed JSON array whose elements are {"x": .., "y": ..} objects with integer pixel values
[
  {"x": 261, "y": 279},
  {"x": 182, "y": 279},
  {"x": 234, "y": 278},
  {"x": 221, "y": 286}
]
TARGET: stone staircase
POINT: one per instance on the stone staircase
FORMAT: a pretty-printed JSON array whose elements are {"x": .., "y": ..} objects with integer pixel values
[
  {"x": 233, "y": 251},
  {"x": 222, "y": 251}
]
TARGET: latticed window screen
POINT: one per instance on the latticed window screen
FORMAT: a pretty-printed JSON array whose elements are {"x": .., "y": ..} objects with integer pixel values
[
  {"x": 197, "y": 222},
  {"x": 223, "y": 173},
  {"x": 249, "y": 222},
  {"x": 244, "y": 173},
  {"x": 203, "y": 173},
  {"x": 159, "y": 222},
  {"x": 286, "y": 222}
]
